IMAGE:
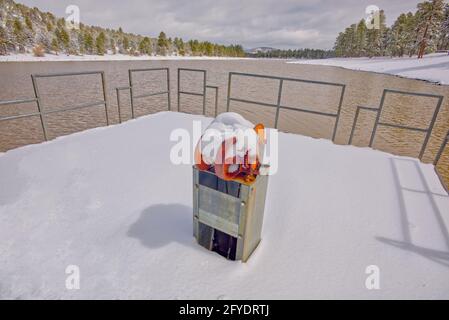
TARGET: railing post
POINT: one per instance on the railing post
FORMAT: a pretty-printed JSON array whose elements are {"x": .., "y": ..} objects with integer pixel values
[
  {"x": 103, "y": 83},
  {"x": 356, "y": 118},
  {"x": 353, "y": 125},
  {"x": 431, "y": 125},
  {"x": 204, "y": 93},
  {"x": 281, "y": 83},
  {"x": 373, "y": 133},
  {"x": 168, "y": 90},
  {"x": 216, "y": 98},
  {"x": 118, "y": 105},
  {"x": 216, "y": 101},
  {"x": 131, "y": 92},
  {"x": 337, "y": 120},
  {"x": 39, "y": 106},
  {"x": 179, "y": 88},
  {"x": 229, "y": 91},
  {"x": 442, "y": 147}
]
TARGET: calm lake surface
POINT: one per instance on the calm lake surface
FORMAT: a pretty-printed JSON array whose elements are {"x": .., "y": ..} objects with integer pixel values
[{"x": 362, "y": 89}]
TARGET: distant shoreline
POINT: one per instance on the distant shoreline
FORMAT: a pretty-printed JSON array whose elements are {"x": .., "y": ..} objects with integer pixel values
[
  {"x": 433, "y": 67},
  {"x": 29, "y": 57}
]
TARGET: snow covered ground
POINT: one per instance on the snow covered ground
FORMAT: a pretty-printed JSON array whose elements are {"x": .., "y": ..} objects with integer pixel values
[
  {"x": 433, "y": 67},
  {"x": 29, "y": 57},
  {"x": 109, "y": 201}
]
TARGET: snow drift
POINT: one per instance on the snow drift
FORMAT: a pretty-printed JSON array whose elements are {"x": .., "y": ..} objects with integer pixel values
[{"x": 109, "y": 201}]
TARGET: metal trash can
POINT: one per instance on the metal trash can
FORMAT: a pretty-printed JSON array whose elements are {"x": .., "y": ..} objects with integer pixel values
[{"x": 228, "y": 215}]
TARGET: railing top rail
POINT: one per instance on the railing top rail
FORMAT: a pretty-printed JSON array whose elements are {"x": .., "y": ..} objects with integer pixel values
[
  {"x": 123, "y": 88},
  {"x": 65, "y": 74},
  {"x": 368, "y": 108},
  {"x": 192, "y": 69},
  {"x": 18, "y": 101},
  {"x": 148, "y": 69},
  {"x": 421, "y": 94},
  {"x": 286, "y": 79}
]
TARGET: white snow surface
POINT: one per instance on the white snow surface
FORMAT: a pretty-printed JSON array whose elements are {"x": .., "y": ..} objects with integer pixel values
[
  {"x": 432, "y": 67},
  {"x": 109, "y": 201},
  {"x": 29, "y": 57}
]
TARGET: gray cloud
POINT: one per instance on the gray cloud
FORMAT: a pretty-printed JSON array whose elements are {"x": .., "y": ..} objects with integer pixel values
[{"x": 252, "y": 23}]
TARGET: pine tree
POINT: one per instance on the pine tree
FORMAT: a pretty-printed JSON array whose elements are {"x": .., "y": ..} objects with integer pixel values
[
  {"x": 63, "y": 38},
  {"x": 28, "y": 23},
  {"x": 443, "y": 43},
  {"x": 209, "y": 49},
  {"x": 339, "y": 46},
  {"x": 49, "y": 26},
  {"x": 125, "y": 44},
  {"x": 88, "y": 42},
  {"x": 179, "y": 44},
  {"x": 360, "y": 38},
  {"x": 100, "y": 44},
  {"x": 145, "y": 46},
  {"x": 17, "y": 27},
  {"x": 162, "y": 43},
  {"x": 3, "y": 41},
  {"x": 55, "y": 45},
  {"x": 194, "y": 47},
  {"x": 81, "y": 43},
  {"x": 430, "y": 17},
  {"x": 60, "y": 23},
  {"x": 113, "y": 46},
  {"x": 376, "y": 37},
  {"x": 19, "y": 34},
  {"x": 402, "y": 35}
]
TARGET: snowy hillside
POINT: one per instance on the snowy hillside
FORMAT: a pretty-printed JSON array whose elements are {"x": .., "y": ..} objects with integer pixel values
[
  {"x": 30, "y": 30},
  {"x": 109, "y": 201},
  {"x": 433, "y": 67}
]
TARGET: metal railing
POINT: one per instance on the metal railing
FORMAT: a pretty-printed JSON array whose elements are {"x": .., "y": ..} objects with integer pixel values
[
  {"x": 378, "y": 122},
  {"x": 204, "y": 72},
  {"x": 204, "y": 89},
  {"x": 278, "y": 105},
  {"x": 38, "y": 99},
  {"x": 216, "y": 98},
  {"x": 356, "y": 118},
  {"x": 41, "y": 112},
  {"x": 144, "y": 95},
  {"x": 34, "y": 114},
  {"x": 442, "y": 147}
]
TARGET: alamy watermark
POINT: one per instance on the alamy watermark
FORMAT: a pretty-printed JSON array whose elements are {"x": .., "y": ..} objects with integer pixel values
[
  {"x": 233, "y": 147},
  {"x": 372, "y": 18},
  {"x": 72, "y": 282},
  {"x": 72, "y": 20},
  {"x": 372, "y": 282}
]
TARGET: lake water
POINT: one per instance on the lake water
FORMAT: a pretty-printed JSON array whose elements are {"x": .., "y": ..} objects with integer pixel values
[{"x": 362, "y": 89}]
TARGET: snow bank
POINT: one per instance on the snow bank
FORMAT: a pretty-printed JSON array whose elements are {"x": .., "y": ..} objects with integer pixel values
[
  {"x": 433, "y": 67},
  {"x": 109, "y": 201},
  {"x": 29, "y": 57}
]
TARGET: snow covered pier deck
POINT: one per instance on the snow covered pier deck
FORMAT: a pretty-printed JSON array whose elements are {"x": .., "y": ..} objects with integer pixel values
[{"x": 109, "y": 201}]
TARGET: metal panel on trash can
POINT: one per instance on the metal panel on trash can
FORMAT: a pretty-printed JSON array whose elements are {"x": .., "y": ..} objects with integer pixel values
[{"x": 236, "y": 209}]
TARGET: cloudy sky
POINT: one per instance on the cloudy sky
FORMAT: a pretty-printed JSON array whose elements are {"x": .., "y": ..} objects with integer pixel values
[{"x": 252, "y": 23}]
